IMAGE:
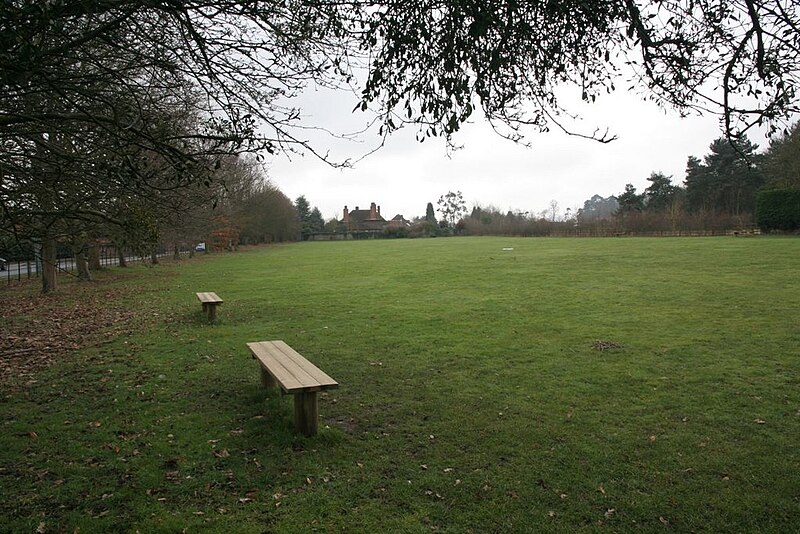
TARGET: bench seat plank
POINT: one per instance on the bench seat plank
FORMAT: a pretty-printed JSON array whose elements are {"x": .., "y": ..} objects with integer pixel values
[
  {"x": 291, "y": 370},
  {"x": 209, "y": 297}
]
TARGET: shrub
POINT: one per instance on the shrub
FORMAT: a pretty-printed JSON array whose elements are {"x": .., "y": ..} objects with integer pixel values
[
  {"x": 395, "y": 231},
  {"x": 423, "y": 228}
]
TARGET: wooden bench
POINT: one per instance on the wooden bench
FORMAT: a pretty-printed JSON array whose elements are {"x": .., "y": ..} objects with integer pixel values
[
  {"x": 210, "y": 302},
  {"x": 283, "y": 366}
]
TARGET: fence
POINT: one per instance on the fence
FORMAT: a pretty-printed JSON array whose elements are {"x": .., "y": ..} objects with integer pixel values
[{"x": 22, "y": 269}]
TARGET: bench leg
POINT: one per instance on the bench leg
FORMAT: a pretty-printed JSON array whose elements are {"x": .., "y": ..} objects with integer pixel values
[
  {"x": 267, "y": 379},
  {"x": 212, "y": 312},
  {"x": 306, "y": 413}
]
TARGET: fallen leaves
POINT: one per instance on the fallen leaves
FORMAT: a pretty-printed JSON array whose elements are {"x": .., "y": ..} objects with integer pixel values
[
  {"x": 42, "y": 329},
  {"x": 111, "y": 447}
]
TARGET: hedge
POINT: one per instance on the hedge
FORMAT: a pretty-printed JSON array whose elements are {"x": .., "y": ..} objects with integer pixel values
[{"x": 778, "y": 209}]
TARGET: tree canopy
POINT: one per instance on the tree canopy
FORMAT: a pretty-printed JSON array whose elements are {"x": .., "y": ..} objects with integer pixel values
[
  {"x": 427, "y": 62},
  {"x": 435, "y": 62}
]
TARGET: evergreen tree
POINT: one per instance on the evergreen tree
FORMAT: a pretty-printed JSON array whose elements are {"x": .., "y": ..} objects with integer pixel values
[
  {"x": 430, "y": 215},
  {"x": 304, "y": 215},
  {"x": 698, "y": 194},
  {"x": 315, "y": 221},
  {"x": 782, "y": 160},
  {"x": 598, "y": 207},
  {"x": 630, "y": 201},
  {"x": 660, "y": 195},
  {"x": 728, "y": 179}
]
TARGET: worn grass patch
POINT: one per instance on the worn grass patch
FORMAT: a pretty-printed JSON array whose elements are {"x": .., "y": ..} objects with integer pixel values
[{"x": 633, "y": 384}]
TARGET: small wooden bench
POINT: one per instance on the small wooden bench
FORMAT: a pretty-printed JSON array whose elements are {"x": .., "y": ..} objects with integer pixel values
[
  {"x": 283, "y": 366},
  {"x": 210, "y": 301}
]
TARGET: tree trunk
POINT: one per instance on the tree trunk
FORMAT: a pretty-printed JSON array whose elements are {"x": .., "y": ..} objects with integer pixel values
[
  {"x": 121, "y": 255},
  {"x": 82, "y": 264},
  {"x": 154, "y": 257},
  {"x": 94, "y": 258},
  {"x": 48, "y": 257},
  {"x": 176, "y": 252}
]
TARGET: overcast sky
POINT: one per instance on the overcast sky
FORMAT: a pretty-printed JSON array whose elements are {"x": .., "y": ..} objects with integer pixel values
[{"x": 404, "y": 175}]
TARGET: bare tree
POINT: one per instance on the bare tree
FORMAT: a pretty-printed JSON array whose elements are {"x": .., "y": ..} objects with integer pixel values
[
  {"x": 553, "y": 211},
  {"x": 452, "y": 207}
]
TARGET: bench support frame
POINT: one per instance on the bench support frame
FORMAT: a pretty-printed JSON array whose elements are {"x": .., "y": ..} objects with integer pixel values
[
  {"x": 210, "y": 309},
  {"x": 306, "y": 406},
  {"x": 306, "y": 413}
]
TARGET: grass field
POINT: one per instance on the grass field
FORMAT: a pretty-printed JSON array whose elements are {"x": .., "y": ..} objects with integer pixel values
[{"x": 607, "y": 384}]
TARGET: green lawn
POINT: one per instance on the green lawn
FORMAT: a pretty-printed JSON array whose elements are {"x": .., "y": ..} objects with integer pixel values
[{"x": 473, "y": 395}]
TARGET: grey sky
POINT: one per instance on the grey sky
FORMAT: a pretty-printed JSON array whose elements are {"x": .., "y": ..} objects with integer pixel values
[{"x": 405, "y": 175}]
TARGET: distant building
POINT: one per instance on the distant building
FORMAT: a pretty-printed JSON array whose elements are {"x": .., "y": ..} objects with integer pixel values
[
  {"x": 365, "y": 222},
  {"x": 399, "y": 221},
  {"x": 359, "y": 220}
]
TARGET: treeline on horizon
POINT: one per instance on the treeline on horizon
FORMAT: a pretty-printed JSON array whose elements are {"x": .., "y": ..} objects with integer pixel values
[{"x": 732, "y": 188}]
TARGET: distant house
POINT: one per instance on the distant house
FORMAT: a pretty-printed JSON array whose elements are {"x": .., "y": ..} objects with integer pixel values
[
  {"x": 370, "y": 222},
  {"x": 359, "y": 220},
  {"x": 399, "y": 221}
]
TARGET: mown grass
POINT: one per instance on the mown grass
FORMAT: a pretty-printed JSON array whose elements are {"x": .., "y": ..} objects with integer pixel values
[{"x": 471, "y": 399}]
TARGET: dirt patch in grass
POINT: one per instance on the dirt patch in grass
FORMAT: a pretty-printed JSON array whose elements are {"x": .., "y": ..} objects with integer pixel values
[
  {"x": 604, "y": 344},
  {"x": 39, "y": 330}
]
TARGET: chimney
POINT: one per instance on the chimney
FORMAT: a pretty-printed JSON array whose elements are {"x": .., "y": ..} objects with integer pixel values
[
  {"x": 346, "y": 217},
  {"x": 373, "y": 212},
  {"x": 379, "y": 211}
]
